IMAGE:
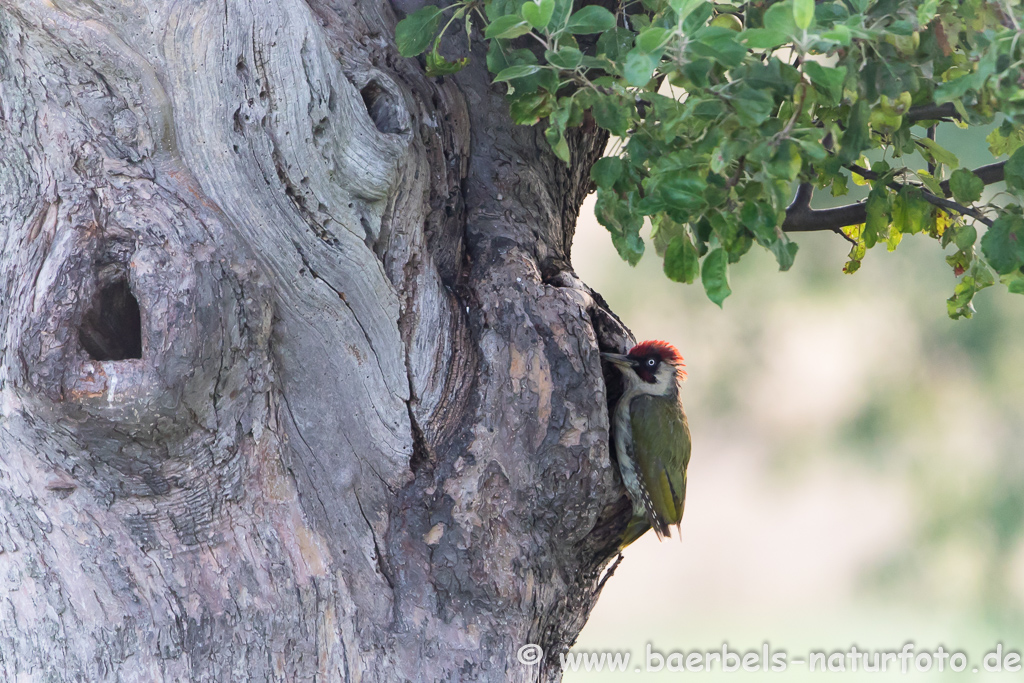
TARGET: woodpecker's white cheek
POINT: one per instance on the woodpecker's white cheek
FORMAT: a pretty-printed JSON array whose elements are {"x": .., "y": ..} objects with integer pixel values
[{"x": 665, "y": 380}]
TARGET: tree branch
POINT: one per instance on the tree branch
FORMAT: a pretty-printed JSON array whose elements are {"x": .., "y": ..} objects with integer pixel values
[
  {"x": 800, "y": 217},
  {"x": 938, "y": 112}
]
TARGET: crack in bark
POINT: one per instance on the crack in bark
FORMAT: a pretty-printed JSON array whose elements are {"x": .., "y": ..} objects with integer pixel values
[{"x": 378, "y": 555}]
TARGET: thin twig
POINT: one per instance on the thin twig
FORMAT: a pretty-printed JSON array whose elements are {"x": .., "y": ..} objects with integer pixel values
[
  {"x": 801, "y": 218},
  {"x": 731, "y": 182},
  {"x": 931, "y": 136},
  {"x": 947, "y": 204}
]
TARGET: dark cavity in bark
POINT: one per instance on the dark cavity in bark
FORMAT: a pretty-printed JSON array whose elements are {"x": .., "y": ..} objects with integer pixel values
[{"x": 112, "y": 329}]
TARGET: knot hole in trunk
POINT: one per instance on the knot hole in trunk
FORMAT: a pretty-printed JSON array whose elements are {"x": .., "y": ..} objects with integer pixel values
[
  {"x": 384, "y": 107},
  {"x": 112, "y": 328}
]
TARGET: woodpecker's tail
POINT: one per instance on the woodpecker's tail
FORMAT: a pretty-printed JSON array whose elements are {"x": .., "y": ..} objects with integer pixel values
[{"x": 660, "y": 526}]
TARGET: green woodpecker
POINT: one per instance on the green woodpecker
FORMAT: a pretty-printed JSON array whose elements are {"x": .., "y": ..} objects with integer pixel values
[{"x": 652, "y": 438}]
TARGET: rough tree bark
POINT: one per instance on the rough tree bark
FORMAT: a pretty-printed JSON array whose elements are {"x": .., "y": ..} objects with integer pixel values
[{"x": 296, "y": 380}]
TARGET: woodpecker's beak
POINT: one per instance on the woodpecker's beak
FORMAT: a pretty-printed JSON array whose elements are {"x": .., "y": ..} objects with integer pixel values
[{"x": 619, "y": 359}]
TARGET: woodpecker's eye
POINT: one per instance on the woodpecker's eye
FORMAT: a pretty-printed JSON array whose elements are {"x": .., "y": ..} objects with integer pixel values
[{"x": 651, "y": 362}]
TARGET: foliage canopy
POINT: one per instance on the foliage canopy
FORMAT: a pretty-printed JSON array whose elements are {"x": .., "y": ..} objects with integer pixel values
[{"x": 721, "y": 109}]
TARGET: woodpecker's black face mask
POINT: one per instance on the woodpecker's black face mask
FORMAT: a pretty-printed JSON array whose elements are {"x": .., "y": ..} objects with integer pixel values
[{"x": 647, "y": 367}]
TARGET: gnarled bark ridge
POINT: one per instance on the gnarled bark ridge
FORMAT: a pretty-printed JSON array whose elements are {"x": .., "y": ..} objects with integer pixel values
[{"x": 296, "y": 382}]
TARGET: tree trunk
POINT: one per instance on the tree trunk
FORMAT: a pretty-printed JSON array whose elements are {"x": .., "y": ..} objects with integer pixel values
[{"x": 296, "y": 380}]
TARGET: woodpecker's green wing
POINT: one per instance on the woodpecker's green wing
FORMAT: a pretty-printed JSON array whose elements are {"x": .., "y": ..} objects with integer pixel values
[{"x": 661, "y": 445}]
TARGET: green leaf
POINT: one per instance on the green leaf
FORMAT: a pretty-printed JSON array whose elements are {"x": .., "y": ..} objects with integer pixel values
[
  {"x": 663, "y": 231},
  {"x": 715, "y": 275},
  {"x": 639, "y": 67},
  {"x": 558, "y": 143},
  {"x": 1014, "y": 282},
  {"x": 499, "y": 57},
  {"x": 616, "y": 43},
  {"x": 760, "y": 219},
  {"x": 530, "y": 108},
  {"x": 538, "y": 12},
  {"x": 965, "y": 186},
  {"x": 857, "y": 136},
  {"x": 839, "y": 187},
  {"x": 739, "y": 246},
  {"x": 683, "y": 8},
  {"x": 516, "y": 72},
  {"x": 563, "y": 8},
  {"x": 501, "y": 8},
  {"x": 681, "y": 260},
  {"x": 591, "y": 19},
  {"x": 1005, "y": 139},
  {"x": 926, "y": 12},
  {"x": 629, "y": 246},
  {"x": 611, "y": 114},
  {"x": 857, "y": 251},
  {"x": 786, "y": 162},
  {"x": 763, "y": 38},
  {"x": 1014, "y": 171},
  {"x": 803, "y": 13},
  {"x": 680, "y": 191},
  {"x": 566, "y": 58},
  {"x": 840, "y": 33},
  {"x": 780, "y": 18},
  {"x": 507, "y": 27},
  {"x": 414, "y": 33},
  {"x": 959, "y": 305},
  {"x": 753, "y": 107},
  {"x": 911, "y": 213},
  {"x": 697, "y": 17},
  {"x": 828, "y": 80},
  {"x": 623, "y": 222},
  {"x": 651, "y": 39},
  {"x": 606, "y": 171},
  {"x": 877, "y": 216},
  {"x": 720, "y": 44},
  {"x": 785, "y": 252},
  {"x": 726, "y": 227},
  {"x": 953, "y": 90},
  {"x": 960, "y": 261},
  {"x": 966, "y": 236},
  {"x": 1003, "y": 243},
  {"x": 936, "y": 153}
]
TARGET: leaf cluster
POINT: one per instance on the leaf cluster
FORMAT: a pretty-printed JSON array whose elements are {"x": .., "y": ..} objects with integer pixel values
[{"x": 719, "y": 110}]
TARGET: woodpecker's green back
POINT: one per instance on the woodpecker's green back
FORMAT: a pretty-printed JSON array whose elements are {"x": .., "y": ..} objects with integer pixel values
[{"x": 661, "y": 449}]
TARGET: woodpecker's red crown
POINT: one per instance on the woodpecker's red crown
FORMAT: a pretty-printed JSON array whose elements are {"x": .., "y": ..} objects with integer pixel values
[
  {"x": 666, "y": 352},
  {"x": 663, "y": 351}
]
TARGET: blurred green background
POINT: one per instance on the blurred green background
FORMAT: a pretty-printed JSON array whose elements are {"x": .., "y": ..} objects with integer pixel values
[{"x": 857, "y": 472}]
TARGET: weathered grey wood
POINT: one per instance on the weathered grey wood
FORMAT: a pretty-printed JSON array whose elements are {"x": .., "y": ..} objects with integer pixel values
[{"x": 366, "y": 439}]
